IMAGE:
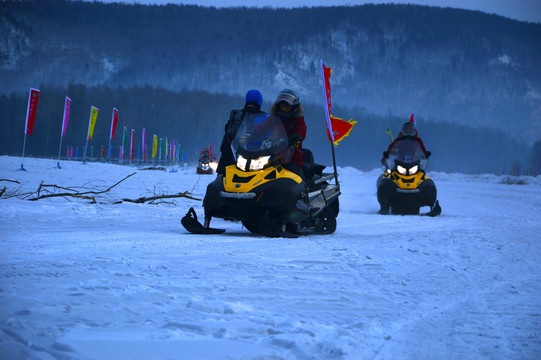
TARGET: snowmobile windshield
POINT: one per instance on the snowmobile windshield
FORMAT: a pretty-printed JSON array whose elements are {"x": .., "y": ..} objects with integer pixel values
[
  {"x": 407, "y": 153},
  {"x": 262, "y": 135}
]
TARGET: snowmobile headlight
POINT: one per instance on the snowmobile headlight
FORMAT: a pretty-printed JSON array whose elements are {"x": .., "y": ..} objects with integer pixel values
[
  {"x": 241, "y": 163},
  {"x": 259, "y": 163},
  {"x": 401, "y": 169},
  {"x": 413, "y": 169}
]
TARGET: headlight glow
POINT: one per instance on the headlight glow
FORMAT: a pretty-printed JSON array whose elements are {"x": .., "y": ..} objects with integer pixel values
[
  {"x": 401, "y": 169},
  {"x": 413, "y": 169},
  {"x": 259, "y": 163},
  {"x": 241, "y": 163}
]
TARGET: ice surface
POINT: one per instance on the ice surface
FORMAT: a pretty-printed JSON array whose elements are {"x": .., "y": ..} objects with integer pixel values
[{"x": 126, "y": 281}]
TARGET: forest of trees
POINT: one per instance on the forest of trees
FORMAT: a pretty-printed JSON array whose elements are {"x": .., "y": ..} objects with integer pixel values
[
  {"x": 453, "y": 65},
  {"x": 196, "y": 119}
]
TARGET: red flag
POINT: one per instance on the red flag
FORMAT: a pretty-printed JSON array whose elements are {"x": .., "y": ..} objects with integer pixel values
[
  {"x": 412, "y": 119},
  {"x": 341, "y": 128},
  {"x": 337, "y": 128},
  {"x": 326, "y": 75},
  {"x": 114, "y": 120},
  {"x": 33, "y": 99}
]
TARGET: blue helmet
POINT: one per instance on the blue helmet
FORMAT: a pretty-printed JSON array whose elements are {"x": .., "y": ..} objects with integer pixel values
[{"x": 254, "y": 96}]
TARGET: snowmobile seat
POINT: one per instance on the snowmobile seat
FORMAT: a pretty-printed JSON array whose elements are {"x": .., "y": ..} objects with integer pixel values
[{"x": 307, "y": 164}]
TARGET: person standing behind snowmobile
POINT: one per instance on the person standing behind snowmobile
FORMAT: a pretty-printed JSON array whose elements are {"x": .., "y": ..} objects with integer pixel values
[
  {"x": 289, "y": 109},
  {"x": 254, "y": 99},
  {"x": 408, "y": 131}
]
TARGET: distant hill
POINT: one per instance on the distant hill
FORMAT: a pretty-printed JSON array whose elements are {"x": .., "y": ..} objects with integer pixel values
[{"x": 447, "y": 65}]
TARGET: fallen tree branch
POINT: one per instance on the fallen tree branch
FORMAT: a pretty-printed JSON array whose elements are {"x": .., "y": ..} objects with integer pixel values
[
  {"x": 82, "y": 195},
  {"x": 13, "y": 181},
  {"x": 158, "y": 197}
]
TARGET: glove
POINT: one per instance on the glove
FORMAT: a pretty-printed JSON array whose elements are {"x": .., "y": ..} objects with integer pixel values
[
  {"x": 295, "y": 141},
  {"x": 428, "y": 153}
]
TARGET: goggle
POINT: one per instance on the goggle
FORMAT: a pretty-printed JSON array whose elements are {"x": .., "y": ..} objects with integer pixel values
[
  {"x": 285, "y": 106},
  {"x": 290, "y": 99}
]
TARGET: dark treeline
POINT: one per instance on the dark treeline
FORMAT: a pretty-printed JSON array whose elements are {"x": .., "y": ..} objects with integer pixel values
[
  {"x": 196, "y": 119},
  {"x": 449, "y": 64}
]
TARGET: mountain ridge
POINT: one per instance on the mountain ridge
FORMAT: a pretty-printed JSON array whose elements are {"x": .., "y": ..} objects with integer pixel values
[{"x": 445, "y": 64}]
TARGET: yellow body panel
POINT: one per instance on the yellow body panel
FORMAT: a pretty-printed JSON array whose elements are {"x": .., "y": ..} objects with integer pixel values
[
  {"x": 254, "y": 178},
  {"x": 407, "y": 181}
]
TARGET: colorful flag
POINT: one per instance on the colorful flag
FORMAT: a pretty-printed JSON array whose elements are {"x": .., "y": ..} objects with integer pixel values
[
  {"x": 31, "y": 111},
  {"x": 166, "y": 148},
  {"x": 124, "y": 133},
  {"x": 92, "y": 122},
  {"x": 67, "y": 107},
  {"x": 390, "y": 133},
  {"x": 337, "y": 128},
  {"x": 154, "y": 146},
  {"x": 114, "y": 120}
]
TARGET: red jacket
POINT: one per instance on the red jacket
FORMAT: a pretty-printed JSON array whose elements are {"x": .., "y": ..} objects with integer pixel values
[{"x": 296, "y": 126}]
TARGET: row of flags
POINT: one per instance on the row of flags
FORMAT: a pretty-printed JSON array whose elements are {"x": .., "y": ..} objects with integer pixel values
[
  {"x": 163, "y": 149},
  {"x": 337, "y": 128}
]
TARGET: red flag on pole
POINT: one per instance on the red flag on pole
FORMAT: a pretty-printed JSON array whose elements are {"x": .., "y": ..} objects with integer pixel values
[
  {"x": 412, "y": 119},
  {"x": 337, "y": 128},
  {"x": 31, "y": 111},
  {"x": 114, "y": 120},
  {"x": 326, "y": 75},
  {"x": 341, "y": 128}
]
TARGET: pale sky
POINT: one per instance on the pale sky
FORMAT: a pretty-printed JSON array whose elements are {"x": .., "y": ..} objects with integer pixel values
[{"x": 523, "y": 10}]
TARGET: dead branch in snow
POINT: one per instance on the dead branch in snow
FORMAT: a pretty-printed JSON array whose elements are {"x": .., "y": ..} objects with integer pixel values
[
  {"x": 13, "y": 181},
  {"x": 45, "y": 191},
  {"x": 158, "y": 197},
  {"x": 73, "y": 193}
]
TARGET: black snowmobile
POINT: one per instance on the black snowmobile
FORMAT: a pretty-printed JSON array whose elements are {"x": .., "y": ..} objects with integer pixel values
[
  {"x": 404, "y": 186},
  {"x": 261, "y": 193},
  {"x": 204, "y": 162}
]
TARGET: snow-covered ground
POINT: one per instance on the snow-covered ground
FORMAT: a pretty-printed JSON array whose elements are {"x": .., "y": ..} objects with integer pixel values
[{"x": 126, "y": 281}]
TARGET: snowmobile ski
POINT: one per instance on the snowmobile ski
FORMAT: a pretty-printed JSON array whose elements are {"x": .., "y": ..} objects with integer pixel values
[
  {"x": 435, "y": 211},
  {"x": 190, "y": 223}
]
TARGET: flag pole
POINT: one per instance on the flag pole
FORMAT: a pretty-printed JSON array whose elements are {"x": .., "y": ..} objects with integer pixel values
[
  {"x": 87, "y": 135},
  {"x": 24, "y": 146},
  {"x": 65, "y": 117},
  {"x": 328, "y": 119}
]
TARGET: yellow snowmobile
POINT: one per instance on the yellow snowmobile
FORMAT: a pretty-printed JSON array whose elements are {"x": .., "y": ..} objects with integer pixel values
[
  {"x": 404, "y": 187},
  {"x": 265, "y": 196}
]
